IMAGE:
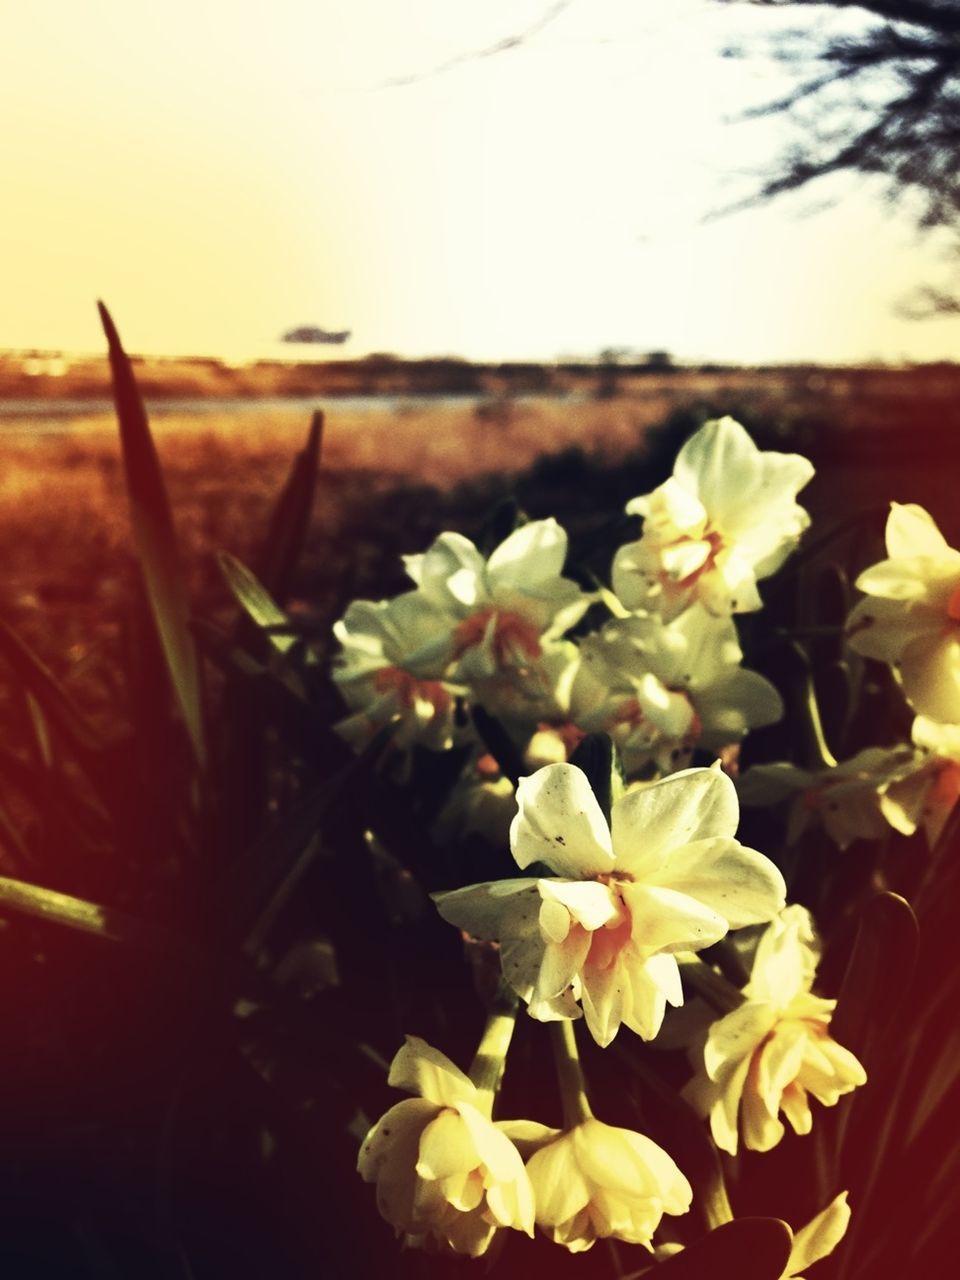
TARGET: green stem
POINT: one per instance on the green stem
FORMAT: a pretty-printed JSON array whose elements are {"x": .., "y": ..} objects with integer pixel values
[
  {"x": 486, "y": 1070},
  {"x": 825, "y": 758},
  {"x": 573, "y": 1089}
]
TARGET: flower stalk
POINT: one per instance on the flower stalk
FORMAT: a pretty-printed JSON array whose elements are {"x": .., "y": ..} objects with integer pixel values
[
  {"x": 573, "y": 1087},
  {"x": 490, "y": 1060}
]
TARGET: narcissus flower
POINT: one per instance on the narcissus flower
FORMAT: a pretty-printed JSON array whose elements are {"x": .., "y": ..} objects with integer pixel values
[
  {"x": 771, "y": 1053},
  {"x": 666, "y": 875},
  {"x": 596, "y": 1181},
  {"x": 911, "y": 617},
  {"x": 503, "y": 610},
  {"x": 391, "y": 668},
  {"x": 443, "y": 1170},
  {"x": 857, "y": 799},
  {"x": 727, "y": 517},
  {"x": 673, "y": 686}
]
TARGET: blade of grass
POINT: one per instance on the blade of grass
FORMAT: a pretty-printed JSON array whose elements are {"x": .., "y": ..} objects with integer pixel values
[
  {"x": 49, "y": 694},
  {"x": 155, "y": 538},
  {"x": 291, "y": 516},
  {"x": 256, "y": 600}
]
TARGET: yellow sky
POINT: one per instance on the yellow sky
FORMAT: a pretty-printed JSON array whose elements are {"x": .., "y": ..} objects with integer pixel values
[{"x": 220, "y": 172}]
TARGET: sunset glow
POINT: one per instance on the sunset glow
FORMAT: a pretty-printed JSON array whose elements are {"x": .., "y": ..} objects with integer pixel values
[{"x": 221, "y": 174}]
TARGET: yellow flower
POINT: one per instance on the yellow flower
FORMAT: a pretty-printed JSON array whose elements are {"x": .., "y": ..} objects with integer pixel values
[
  {"x": 911, "y": 618},
  {"x": 596, "y": 1180},
  {"x": 390, "y": 669},
  {"x": 444, "y": 1172},
  {"x": 857, "y": 799},
  {"x": 664, "y": 875},
  {"x": 725, "y": 518},
  {"x": 504, "y": 610},
  {"x": 775, "y": 1050}
]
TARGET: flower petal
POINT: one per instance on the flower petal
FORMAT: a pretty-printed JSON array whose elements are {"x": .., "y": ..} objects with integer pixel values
[
  {"x": 450, "y": 571},
  {"x": 911, "y": 531},
  {"x": 930, "y": 673},
  {"x": 665, "y": 920},
  {"x": 490, "y": 909},
  {"x": 819, "y": 1237},
  {"x": 734, "y": 1037},
  {"x": 560, "y": 823},
  {"x": 531, "y": 554},
  {"x": 630, "y": 1164},
  {"x": 739, "y": 884},
  {"x": 651, "y": 823},
  {"x": 588, "y": 902},
  {"x": 446, "y": 1148},
  {"x": 420, "y": 1069},
  {"x": 559, "y": 1187}
]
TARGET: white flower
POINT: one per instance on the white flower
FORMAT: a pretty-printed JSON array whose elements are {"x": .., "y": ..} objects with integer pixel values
[
  {"x": 911, "y": 618},
  {"x": 481, "y": 802},
  {"x": 502, "y": 611},
  {"x": 596, "y": 1181},
  {"x": 666, "y": 875},
  {"x": 725, "y": 518},
  {"x": 773, "y": 1051},
  {"x": 391, "y": 668},
  {"x": 857, "y": 799},
  {"x": 443, "y": 1170},
  {"x": 671, "y": 687},
  {"x": 929, "y": 797}
]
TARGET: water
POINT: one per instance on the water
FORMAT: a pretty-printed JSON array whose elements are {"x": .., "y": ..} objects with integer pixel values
[{"x": 40, "y": 416}]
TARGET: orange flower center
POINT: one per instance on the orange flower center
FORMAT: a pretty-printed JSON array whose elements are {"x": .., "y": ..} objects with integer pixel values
[
  {"x": 570, "y": 736},
  {"x": 953, "y": 605},
  {"x": 512, "y": 635},
  {"x": 715, "y": 541},
  {"x": 409, "y": 690},
  {"x": 607, "y": 943},
  {"x": 946, "y": 788}
]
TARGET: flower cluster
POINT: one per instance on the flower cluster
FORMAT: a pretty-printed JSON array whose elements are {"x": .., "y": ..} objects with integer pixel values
[
  {"x": 623, "y": 880},
  {"x": 662, "y": 676},
  {"x": 448, "y": 1175}
]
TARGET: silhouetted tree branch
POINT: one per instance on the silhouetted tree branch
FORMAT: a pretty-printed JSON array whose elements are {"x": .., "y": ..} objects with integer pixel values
[
  {"x": 899, "y": 116},
  {"x": 877, "y": 92},
  {"x": 503, "y": 45}
]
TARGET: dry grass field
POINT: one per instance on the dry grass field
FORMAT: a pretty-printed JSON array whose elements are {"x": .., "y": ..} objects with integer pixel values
[{"x": 393, "y": 475}]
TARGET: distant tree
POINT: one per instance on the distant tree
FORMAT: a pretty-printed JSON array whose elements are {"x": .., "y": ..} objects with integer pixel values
[{"x": 876, "y": 92}]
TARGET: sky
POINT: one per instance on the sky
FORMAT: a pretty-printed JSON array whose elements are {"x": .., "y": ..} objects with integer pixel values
[{"x": 219, "y": 173}]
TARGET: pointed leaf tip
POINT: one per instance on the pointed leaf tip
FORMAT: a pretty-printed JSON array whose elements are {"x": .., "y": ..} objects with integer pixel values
[{"x": 109, "y": 328}]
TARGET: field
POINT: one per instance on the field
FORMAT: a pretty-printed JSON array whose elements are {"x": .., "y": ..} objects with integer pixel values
[{"x": 391, "y": 477}]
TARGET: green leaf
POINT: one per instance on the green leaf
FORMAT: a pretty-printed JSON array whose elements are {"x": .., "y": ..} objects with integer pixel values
[
  {"x": 155, "y": 538},
  {"x": 748, "y": 1248},
  {"x": 256, "y": 600},
  {"x": 878, "y": 974},
  {"x": 291, "y": 516},
  {"x": 674, "y": 1124},
  {"x": 63, "y": 909},
  {"x": 50, "y": 695}
]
